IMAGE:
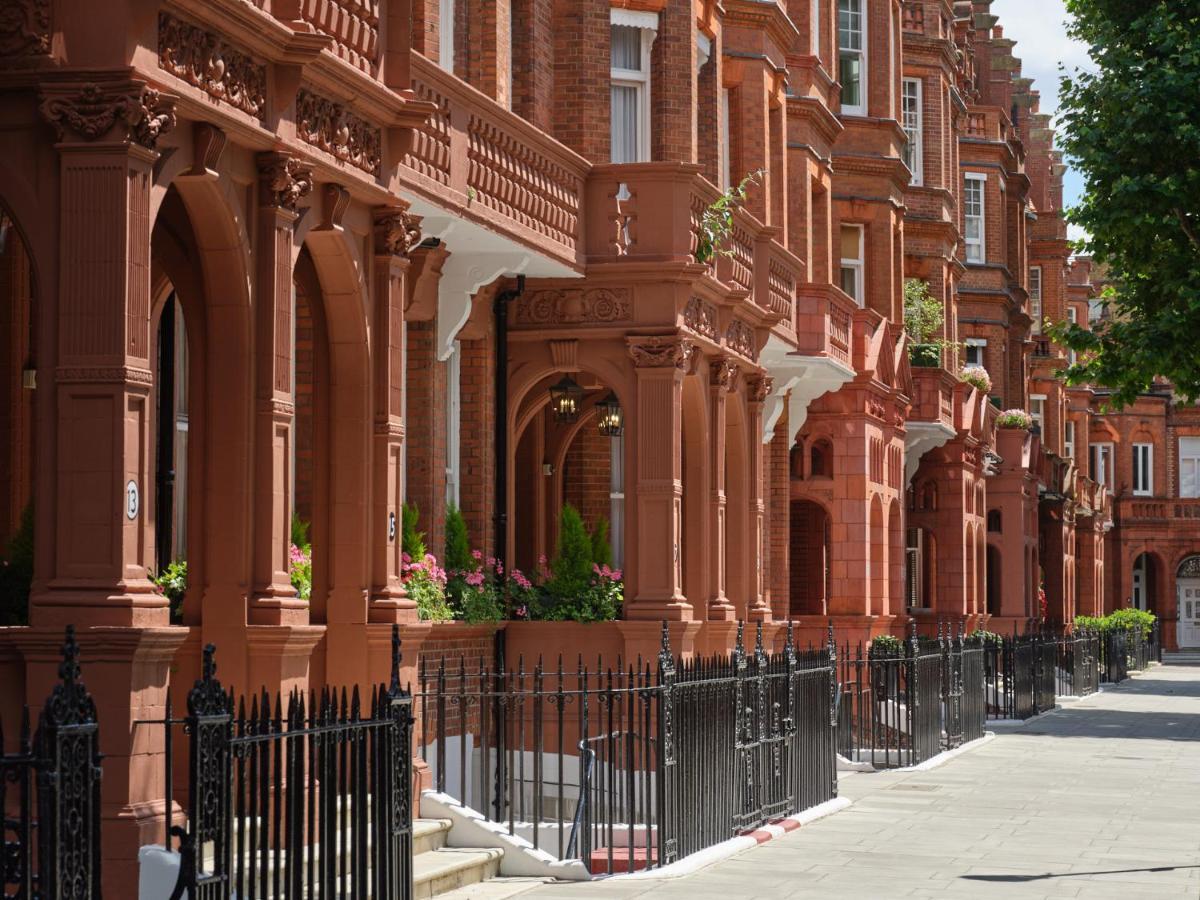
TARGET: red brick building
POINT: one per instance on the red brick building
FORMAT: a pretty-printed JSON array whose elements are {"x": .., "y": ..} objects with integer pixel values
[{"x": 270, "y": 257}]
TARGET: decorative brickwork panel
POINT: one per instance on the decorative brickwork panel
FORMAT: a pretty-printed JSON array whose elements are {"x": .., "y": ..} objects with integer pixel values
[
  {"x": 206, "y": 60},
  {"x": 330, "y": 127}
]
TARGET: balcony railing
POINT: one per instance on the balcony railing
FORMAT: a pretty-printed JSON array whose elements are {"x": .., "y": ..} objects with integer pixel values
[
  {"x": 353, "y": 25},
  {"x": 653, "y": 212},
  {"x": 1158, "y": 510},
  {"x": 474, "y": 153},
  {"x": 824, "y": 322},
  {"x": 934, "y": 396}
]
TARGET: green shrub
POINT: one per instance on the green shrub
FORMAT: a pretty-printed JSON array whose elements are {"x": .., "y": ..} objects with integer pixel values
[
  {"x": 601, "y": 547},
  {"x": 172, "y": 581},
  {"x": 412, "y": 541},
  {"x": 988, "y": 637},
  {"x": 300, "y": 530},
  {"x": 1120, "y": 620},
  {"x": 886, "y": 645},
  {"x": 571, "y": 569},
  {"x": 458, "y": 547}
]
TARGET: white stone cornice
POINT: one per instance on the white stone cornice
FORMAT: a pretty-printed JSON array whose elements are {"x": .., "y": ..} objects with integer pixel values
[{"x": 919, "y": 439}]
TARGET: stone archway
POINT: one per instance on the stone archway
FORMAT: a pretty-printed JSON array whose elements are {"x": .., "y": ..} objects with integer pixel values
[
  {"x": 809, "y": 559},
  {"x": 1187, "y": 592}
]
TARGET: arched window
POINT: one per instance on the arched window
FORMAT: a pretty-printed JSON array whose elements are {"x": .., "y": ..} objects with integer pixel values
[{"x": 822, "y": 459}]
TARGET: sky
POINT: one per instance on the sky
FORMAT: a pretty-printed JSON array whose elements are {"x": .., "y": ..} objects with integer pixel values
[{"x": 1039, "y": 28}]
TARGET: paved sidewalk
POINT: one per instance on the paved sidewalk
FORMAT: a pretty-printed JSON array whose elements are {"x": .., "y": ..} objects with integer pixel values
[{"x": 1099, "y": 799}]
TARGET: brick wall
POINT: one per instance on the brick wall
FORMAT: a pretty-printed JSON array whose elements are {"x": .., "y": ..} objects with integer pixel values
[
  {"x": 587, "y": 474},
  {"x": 673, "y": 84},
  {"x": 533, "y": 71},
  {"x": 305, "y": 399},
  {"x": 581, "y": 76},
  {"x": 477, "y": 455}
]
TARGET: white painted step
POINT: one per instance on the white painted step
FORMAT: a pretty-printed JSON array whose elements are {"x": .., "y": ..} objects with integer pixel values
[
  {"x": 439, "y": 871},
  {"x": 429, "y": 835}
]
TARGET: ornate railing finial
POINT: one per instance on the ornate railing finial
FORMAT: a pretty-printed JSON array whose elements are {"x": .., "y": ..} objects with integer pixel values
[
  {"x": 758, "y": 640},
  {"x": 397, "y": 656},
  {"x": 68, "y": 669}
]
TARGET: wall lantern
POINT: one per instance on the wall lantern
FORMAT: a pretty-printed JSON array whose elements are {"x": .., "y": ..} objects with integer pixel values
[
  {"x": 611, "y": 416},
  {"x": 566, "y": 397}
]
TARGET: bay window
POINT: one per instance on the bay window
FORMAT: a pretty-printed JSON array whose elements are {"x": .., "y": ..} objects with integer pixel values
[
  {"x": 1069, "y": 439},
  {"x": 633, "y": 35},
  {"x": 1101, "y": 468},
  {"x": 1035, "y": 297},
  {"x": 1189, "y": 467},
  {"x": 1143, "y": 469},
  {"x": 852, "y": 261},
  {"x": 974, "y": 216},
  {"x": 1037, "y": 411},
  {"x": 910, "y": 111}
]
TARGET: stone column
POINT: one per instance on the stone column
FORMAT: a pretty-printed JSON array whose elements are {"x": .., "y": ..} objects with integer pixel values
[
  {"x": 758, "y": 604},
  {"x": 722, "y": 378},
  {"x": 283, "y": 181},
  {"x": 102, "y": 506},
  {"x": 662, "y": 362},
  {"x": 396, "y": 232}
]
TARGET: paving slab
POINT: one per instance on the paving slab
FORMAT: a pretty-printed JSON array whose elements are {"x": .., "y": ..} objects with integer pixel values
[{"x": 1094, "y": 800}]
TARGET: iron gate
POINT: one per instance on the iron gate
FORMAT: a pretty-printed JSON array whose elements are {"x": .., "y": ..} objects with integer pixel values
[{"x": 952, "y": 686}]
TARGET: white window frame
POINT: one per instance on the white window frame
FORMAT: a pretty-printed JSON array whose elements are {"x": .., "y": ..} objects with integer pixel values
[
  {"x": 858, "y": 109},
  {"x": 453, "y": 423},
  {"x": 647, "y": 25},
  {"x": 856, "y": 265},
  {"x": 1035, "y": 297},
  {"x": 914, "y": 128},
  {"x": 1095, "y": 310},
  {"x": 616, "y": 500},
  {"x": 976, "y": 251},
  {"x": 1189, "y": 455},
  {"x": 1037, "y": 412},
  {"x": 1069, "y": 439},
  {"x": 1102, "y": 468},
  {"x": 726, "y": 141},
  {"x": 446, "y": 34},
  {"x": 1072, "y": 315},
  {"x": 814, "y": 22},
  {"x": 981, "y": 345},
  {"x": 1143, "y": 470}
]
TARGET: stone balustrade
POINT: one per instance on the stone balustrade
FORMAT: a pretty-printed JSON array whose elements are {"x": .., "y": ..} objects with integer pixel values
[
  {"x": 825, "y": 322},
  {"x": 933, "y": 396},
  {"x": 353, "y": 25}
]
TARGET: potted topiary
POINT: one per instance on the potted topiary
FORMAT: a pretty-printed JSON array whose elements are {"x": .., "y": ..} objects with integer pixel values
[{"x": 924, "y": 317}]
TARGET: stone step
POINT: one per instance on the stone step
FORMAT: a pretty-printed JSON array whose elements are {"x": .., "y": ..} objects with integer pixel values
[
  {"x": 439, "y": 871},
  {"x": 429, "y": 835},
  {"x": 495, "y": 889}
]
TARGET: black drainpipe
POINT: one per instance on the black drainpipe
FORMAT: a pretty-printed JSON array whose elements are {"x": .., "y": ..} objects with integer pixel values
[{"x": 500, "y": 308}]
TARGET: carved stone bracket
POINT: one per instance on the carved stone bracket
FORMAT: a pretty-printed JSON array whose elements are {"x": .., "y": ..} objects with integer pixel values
[
  {"x": 283, "y": 180},
  {"x": 759, "y": 388},
  {"x": 127, "y": 111},
  {"x": 722, "y": 374},
  {"x": 209, "y": 62},
  {"x": 660, "y": 352},
  {"x": 330, "y": 127},
  {"x": 24, "y": 28},
  {"x": 335, "y": 199},
  {"x": 397, "y": 231}
]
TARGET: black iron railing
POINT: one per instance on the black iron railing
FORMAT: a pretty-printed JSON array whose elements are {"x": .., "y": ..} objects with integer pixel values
[
  {"x": 309, "y": 798},
  {"x": 636, "y": 764},
  {"x": 903, "y": 706},
  {"x": 1078, "y": 664},
  {"x": 50, "y": 795}
]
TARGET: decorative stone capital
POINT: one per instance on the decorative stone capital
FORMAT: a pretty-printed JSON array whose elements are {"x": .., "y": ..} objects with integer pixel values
[
  {"x": 24, "y": 28},
  {"x": 283, "y": 180},
  {"x": 660, "y": 352},
  {"x": 397, "y": 231},
  {"x": 128, "y": 111},
  {"x": 759, "y": 387},
  {"x": 722, "y": 374}
]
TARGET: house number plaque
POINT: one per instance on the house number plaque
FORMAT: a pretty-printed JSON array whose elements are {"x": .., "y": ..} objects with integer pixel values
[{"x": 132, "y": 500}]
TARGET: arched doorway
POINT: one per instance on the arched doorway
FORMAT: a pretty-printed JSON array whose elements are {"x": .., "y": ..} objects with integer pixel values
[
  {"x": 1145, "y": 582},
  {"x": 171, "y": 405},
  {"x": 809, "y": 552},
  {"x": 994, "y": 575},
  {"x": 1187, "y": 587},
  {"x": 877, "y": 579},
  {"x": 17, "y": 385}
]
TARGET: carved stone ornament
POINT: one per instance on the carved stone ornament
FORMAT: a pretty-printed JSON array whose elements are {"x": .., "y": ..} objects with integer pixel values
[
  {"x": 209, "y": 62},
  {"x": 722, "y": 373},
  {"x": 330, "y": 127},
  {"x": 701, "y": 318},
  {"x": 397, "y": 231},
  {"x": 283, "y": 180},
  {"x": 24, "y": 28},
  {"x": 759, "y": 388},
  {"x": 739, "y": 337},
  {"x": 575, "y": 306},
  {"x": 135, "y": 112},
  {"x": 662, "y": 352},
  {"x": 1189, "y": 568}
]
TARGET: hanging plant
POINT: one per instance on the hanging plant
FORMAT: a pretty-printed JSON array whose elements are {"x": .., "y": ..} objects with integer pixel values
[
  {"x": 717, "y": 222},
  {"x": 1015, "y": 418}
]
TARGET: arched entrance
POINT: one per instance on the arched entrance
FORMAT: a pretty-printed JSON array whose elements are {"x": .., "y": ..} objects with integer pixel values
[
  {"x": 1187, "y": 587},
  {"x": 17, "y": 457},
  {"x": 809, "y": 572},
  {"x": 1144, "y": 587}
]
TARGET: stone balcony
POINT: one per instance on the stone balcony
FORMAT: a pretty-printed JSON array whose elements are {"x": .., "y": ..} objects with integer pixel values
[
  {"x": 934, "y": 420},
  {"x": 1155, "y": 510}
]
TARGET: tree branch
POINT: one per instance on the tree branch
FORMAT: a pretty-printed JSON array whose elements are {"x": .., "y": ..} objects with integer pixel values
[{"x": 1187, "y": 229}]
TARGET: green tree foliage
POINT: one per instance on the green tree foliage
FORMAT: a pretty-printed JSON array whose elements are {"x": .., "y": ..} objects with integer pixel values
[
  {"x": 1132, "y": 129},
  {"x": 458, "y": 548},
  {"x": 923, "y": 313}
]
